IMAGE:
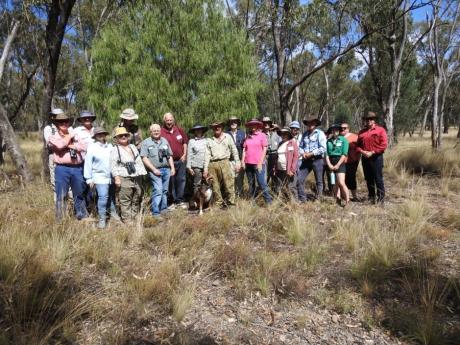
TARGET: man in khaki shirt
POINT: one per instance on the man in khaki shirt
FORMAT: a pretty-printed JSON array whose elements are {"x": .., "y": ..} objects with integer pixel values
[{"x": 219, "y": 149}]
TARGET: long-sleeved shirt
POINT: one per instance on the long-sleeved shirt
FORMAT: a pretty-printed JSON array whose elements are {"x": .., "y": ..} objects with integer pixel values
[
  {"x": 97, "y": 163},
  {"x": 219, "y": 149},
  {"x": 85, "y": 134},
  {"x": 373, "y": 139},
  {"x": 61, "y": 150},
  {"x": 50, "y": 130},
  {"x": 273, "y": 142},
  {"x": 118, "y": 161},
  {"x": 314, "y": 142},
  {"x": 196, "y": 152}
]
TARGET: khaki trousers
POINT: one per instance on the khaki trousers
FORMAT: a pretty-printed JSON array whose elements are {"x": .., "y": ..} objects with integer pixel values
[
  {"x": 223, "y": 182},
  {"x": 130, "y": 197}
]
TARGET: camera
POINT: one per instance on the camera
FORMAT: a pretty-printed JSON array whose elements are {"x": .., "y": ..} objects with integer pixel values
[
  {"x": 130, "y": 167},
  {"x": 73, "y": 153},
  {"x": 163, "y": 153}
]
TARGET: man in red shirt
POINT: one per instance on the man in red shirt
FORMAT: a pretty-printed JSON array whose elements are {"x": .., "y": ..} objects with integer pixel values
[
  {"x": 372, "y": 142},
  {"x": 177, "y": 139}
]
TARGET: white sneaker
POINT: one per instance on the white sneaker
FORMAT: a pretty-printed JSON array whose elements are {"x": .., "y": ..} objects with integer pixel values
[
  {"x": 171, "y": 207},
  {"x": 182, "y": 205}
]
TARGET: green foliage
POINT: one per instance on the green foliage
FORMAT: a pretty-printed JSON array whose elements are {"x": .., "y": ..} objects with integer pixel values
[{"x": 183, "y": 57}]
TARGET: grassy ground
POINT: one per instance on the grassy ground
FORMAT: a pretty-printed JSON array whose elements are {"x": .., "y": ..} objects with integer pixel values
[{"x": 284, "y": 274}]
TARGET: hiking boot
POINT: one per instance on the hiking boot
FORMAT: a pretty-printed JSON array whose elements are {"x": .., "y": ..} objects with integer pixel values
[{"x": 101, "y": 224}]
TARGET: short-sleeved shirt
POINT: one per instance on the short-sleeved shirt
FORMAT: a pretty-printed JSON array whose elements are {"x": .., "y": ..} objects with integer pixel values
[
  {"x": 176, "y": 138},
  {"x": 157, "y": 151},
  {"x": 337, "y": 147},
  {"x": 254, "y": 146}
]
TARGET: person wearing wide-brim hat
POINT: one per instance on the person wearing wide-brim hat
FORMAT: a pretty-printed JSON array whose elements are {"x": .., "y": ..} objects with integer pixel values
[
  {"x": 270, "y": 129},
  {"x": 372, "y": 143},
  {"x": 68, "y": 151},
  {"x": 312, "y": 148},
  {"x": 286, "y": 165},
  {"x": 96, "y": 171},
  {"x": 336, "y": 157},
  {"x": 238, "y": 136},
  {"x": 49, "y": 130},
  {"x": 86, "y": 130},
  {"x": 127, "y": 170},
  {"x": 196, "y": 151},
  {"x": 128, "y": 118},
  {"x": 219, "y": 149},
  {"x": 253, "y": 160}
]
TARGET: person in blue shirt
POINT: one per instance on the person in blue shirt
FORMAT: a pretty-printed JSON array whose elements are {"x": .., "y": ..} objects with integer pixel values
[
  {"x": 312, "y": 149},
  {"x": 238, "y": 137},
  {"x": 97, "y": 174}
]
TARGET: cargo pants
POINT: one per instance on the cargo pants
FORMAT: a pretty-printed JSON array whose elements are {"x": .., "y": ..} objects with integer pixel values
[
  {"x": 223, "y": 182},
  {"x": 130, "y": 197}
]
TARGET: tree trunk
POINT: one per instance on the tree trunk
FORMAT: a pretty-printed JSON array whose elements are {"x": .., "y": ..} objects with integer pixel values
[
  {"x": 58, "y": 16},
  {"x": 435, "y": 131},
  {"x": 12, "y": 146},
  {"x": 425, "y": 117},
  {"x": 326, "y": 105},
  {"x": 7, "y": 47},
  {"x": 2, "y": 160}
]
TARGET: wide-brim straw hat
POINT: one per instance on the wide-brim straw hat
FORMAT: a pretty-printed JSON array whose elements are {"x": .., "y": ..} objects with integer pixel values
[
  {"x": 62, "y": 117},
  {"x": 120, "y": 131},
  {"x": 217, "y": 124},
  {"x": 197, "y": 127},
  {"x": 311, "y": 119},
  {"x": 56, "y": 111},
  {"x": 129, "y": 114},
  {"x": 99, "y": 130},
  {"x": 284, "y": 130},
  {"x": 370, "y": 115},
  {"x": 86, "y": 114},
  {"x": 234, "y": 119},
  {"x": 254, "y": 123}
]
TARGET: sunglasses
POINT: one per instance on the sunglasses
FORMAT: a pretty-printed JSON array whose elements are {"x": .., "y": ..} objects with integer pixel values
[
  {"x": 61, "y": 122},
  {"x": 87, "y": 119},
  {"x": 123, "y": 136},
  {"x": 344, "y": 128}
]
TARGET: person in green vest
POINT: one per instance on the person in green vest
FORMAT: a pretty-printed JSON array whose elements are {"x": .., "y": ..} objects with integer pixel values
[{"x": 336, "y": 158}]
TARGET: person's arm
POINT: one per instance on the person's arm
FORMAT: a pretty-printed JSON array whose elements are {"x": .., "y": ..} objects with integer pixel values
[
  {"x": 235, "y": 153},
  {"x": 262, "y": 159},
  {"x": 88, "y": 168},
  {"x": 189, "y": 155},
  {"x": 383, "y": 142},
  {"x": 321, "y": 149},
  {"x": 295, "y": 158},
  {"x": 328, "y": 163},
  {"x": 148, "y": 164},
  {"x": 207, "y": 158},
  {"x": 60, "y": 142},
  {"x": 171, "y": 165},
  {"x": 114, "y": 169},
  {"x": 184, "y": 145}
]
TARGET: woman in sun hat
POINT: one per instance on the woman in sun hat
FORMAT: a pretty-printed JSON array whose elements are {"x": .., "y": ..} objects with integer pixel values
[
  {"x": 254, "y": 151},
  {"x": 127, "y": 170},
  {"x": 97, "y": 174},
  {"x": 196, "y": 151},
  {"x": 286, "y": 165},
  {"x": 336, "y": 157},
  {"x": 128, "y": 119}
]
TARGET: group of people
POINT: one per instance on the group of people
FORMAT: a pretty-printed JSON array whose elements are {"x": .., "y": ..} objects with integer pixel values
[{"x": 276, "y": 161}]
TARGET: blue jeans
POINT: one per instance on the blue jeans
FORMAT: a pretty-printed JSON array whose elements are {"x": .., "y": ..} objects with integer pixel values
[
  {"x": 307, "y": 165},
  {"x": 160, "y": 190},
  {"x": 178, "y": 182},
  {"x": 253, "y": 174},
  {"x": 105, "y": 200},
  {"x": 70, "y": 177}
]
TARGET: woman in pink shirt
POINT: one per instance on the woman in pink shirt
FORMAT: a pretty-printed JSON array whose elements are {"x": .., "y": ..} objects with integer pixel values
[{"x": 254, "y": 151}]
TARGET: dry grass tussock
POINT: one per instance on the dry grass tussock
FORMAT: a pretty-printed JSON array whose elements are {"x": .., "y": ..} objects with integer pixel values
[{"x": 71, "y": 283}]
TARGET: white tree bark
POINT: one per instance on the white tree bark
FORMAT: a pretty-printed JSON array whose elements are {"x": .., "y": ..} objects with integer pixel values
[{"x": 7, "y": 47}]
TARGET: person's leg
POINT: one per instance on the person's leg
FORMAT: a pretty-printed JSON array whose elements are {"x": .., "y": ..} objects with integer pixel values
[
  {"x": 239, "y": 182},
  {"x": 62, "y": 180},
  {"x": 292, "y": 188},
  {"x": 125, "y": 197},
  {"x": 278, "y": 182},
  {"x": 165, "y": 176},
  {"x": 350, "y": 178},
  {"x": 138, "y": 194},
  {"x": 216, "y": 181},
  {"x": 157, "y": 192},
  {"x": 378, "y": 176},
  {"x": 260, "y": 175},
  {"x": 77, "y": 181},
  {"x": 51, "y": 167},
  {"x": 369, "y": 177},
  {"x": 303, "y": 172},
  {"x": 250, "y": 174},
  {"x": 179, "y": 181},
  {"x": 102, "y": 203},
  {"x": 112, "y": 206},
  {"x": 228, "y": 182},
  {"x": 340, "y": 181},
  {"x": 318, "y": 167}
]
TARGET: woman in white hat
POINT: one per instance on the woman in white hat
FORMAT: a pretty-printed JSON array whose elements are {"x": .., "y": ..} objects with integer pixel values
[
  {"x": 128, "y": 119},
  {"x": 97, "y": 174},
  {"x": 127, "y": 170}
]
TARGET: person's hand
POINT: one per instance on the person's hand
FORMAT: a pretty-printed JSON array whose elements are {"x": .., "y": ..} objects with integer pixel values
[
  {"x": 117, "y": 181},
  {"x": 173, "y": 172},
  {"x": 335, "y": 168},
  {"x": 243, "y": 166},
  {"x": 156, "y": 172},
  {"x": 237, "y": 167},
  {"x": 191, "y": 172},
  {"x": 259, "y": 167},
  {"x": 330, "y": 166},
  {"x": 290, "y": 173},
  {"x": 183, "y": 157},
  {"x": 307, "y": 155},
  {"x": 205, "y": 174},
  {"x": 91, "y": 185}
]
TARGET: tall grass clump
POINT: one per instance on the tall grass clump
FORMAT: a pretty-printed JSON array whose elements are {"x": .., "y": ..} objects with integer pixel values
[{"x": 422, "y": 160}]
